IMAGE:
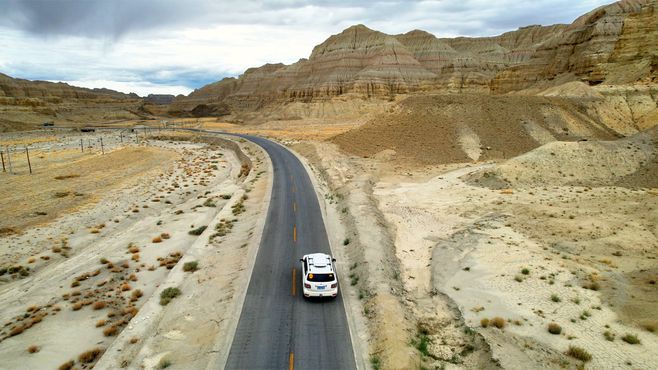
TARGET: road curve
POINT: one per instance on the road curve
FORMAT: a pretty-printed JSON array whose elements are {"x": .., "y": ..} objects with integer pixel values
[{"x": 277, "y": 328}]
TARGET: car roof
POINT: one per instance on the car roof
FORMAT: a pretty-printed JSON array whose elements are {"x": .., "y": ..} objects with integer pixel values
[{"x": 319, "y": 263}]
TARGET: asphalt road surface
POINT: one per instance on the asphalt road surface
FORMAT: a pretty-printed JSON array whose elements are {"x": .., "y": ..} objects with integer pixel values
[{"x": 278, "y": 328}]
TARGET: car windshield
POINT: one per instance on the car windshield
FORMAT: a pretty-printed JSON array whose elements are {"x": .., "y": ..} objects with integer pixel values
[{"x": 320, "y": 278}]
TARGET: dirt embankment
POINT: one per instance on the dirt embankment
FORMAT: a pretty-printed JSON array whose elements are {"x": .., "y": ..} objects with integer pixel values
[{"x": 439, "y": 129}]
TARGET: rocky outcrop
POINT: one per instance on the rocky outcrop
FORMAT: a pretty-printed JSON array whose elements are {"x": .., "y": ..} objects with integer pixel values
[{"x": 613, "y": 44}]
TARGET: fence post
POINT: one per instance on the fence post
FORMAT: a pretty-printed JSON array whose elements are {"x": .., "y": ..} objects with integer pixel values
[
  {"x": 102, "y": 149},
  {"x": 27, "y": 152},
  {"x": 9, "y": 159},
  {"x": 82, "y": 146},
  {"x": 3, "y": 160},
  {"x": 121, "y": 135}
]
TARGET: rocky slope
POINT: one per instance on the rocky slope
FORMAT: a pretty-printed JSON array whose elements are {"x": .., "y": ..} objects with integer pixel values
[{"x": 615, "y": 44}]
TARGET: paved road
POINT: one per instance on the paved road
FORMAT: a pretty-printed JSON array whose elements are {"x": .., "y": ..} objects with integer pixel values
[{"x": 278, "y": 329}]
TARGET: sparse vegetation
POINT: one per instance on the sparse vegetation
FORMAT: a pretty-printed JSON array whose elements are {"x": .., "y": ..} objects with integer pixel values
[
  {"x": 110, "y": 331},
  {"x": 67, "y": 365},
  {"x": 375, "y": 362},
  {"x": 168, "y": 294},
  {"x": 484, "y": 322},
  {"x": 555, "y": 298},
  {"x": 99, "y": 305},
  {"x": 498, "y": 322},
  {"x": 631, "y": 339},
  {"x": 609, "y": 336},
  {"x": 164, "y": 363},
  {"x": 525, "y": 271},
  {"x": 554, "y": 328},
  {"x": 157, "y": 239},
  {"x": 579, "y": 353},
  {"x": 346, "y": 241},
  {"x": 90, "y": 356},
  {"x": 191, "y": 266},
  {"x": 33, "y": 349},
  {"x": 198, "y": 231}
]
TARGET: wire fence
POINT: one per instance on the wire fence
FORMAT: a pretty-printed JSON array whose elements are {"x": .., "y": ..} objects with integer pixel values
[{"x": 45, "y": 149}]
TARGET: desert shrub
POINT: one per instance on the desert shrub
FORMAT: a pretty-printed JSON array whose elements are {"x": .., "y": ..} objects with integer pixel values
[
  {"x": 168, "y": 294},
  {"x": 104, "y": 260},
  {"x": 650, "y": 326},
  {"x": 525, "y": 271},
  {"x": 498, "y": 322},
  {"x": 99, "y": 305},
  {"x": 133, "y": 249},
  {"x": 346, "y": 241},
  {"x": 191, "y": 266},
  {"x": 555, "y": 298},
  {"x": 165, "y": 236},
  {"x": 157, "y": 239},
  {"x": 125, "y": 287},
  {"x": 16, "y": 330},
  {"x": 110, "y": 331},
  {"x": 592, "y": 286},
  {"x": 554, "y": 328},
  {"x": 67, "y": 365},
  {"x": 609, "y": 336},
  {"x": 76, "y": 306},
  {"x": 484, "y": 322},
  {"x": 422, "y": 344},
  {"x": 579, "y": 353},
  {"x": 90, "y": 356},
  {"x": 137, "y": 293},
  {"x": 198, "y": 231},
  {"x": 631, "y": 339},
  {"x": 32, "y": 349},
  {"x": 100, "y": 323},
  {"x": 375, "y": 362}
]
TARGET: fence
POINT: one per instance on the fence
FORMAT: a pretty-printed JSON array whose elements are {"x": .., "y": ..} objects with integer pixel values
[{"x": 36, "y": 155}]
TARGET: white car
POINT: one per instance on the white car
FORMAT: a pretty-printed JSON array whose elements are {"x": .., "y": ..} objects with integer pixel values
[{"x": 319, "y": 276}]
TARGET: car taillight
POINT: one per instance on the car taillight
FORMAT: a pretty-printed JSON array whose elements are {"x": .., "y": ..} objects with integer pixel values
[
  {"x": 307, "y": 285},
  {"x": 334, "y": 285}
]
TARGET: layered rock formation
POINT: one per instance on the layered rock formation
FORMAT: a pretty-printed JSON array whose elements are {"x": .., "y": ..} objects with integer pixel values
[
  {"x": 25, "y": 103},
  {"x": 613, "y": 44}
]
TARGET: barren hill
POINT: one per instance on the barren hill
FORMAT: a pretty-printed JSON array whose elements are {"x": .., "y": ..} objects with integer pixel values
[
  {"x": 24, "y": 103},
  {"x": 615, "y": 44}
]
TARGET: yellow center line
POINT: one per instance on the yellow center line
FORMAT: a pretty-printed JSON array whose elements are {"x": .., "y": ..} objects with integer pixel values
[
  {"x": 291, "y": 361},
  {"x": 294, "y": 233},
  {"x": 294, "y": 284}
]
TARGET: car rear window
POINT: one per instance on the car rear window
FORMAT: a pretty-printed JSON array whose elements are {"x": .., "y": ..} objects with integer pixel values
[{"x": 320, "y": 278}]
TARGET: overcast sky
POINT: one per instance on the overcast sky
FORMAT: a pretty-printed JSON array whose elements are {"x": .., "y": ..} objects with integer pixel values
[{"x": 175, "y": 46}]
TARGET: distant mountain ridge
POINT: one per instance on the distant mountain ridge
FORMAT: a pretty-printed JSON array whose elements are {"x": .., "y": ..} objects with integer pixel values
[
  {"x": 614, "y": 44},
  {"x": 19, "y": 88}
]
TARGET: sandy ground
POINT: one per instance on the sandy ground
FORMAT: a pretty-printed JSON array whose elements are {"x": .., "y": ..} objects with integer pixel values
[
  {"x": 435, "y": 254},
  {"x": 81, "y": 280}
]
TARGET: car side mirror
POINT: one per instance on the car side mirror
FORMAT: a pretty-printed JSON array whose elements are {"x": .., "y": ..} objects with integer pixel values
[
  {"x": 333, "y": 260},
  {"x": 301, "y": 260}
]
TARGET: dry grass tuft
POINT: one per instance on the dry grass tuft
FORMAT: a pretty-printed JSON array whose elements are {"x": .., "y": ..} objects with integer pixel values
[
  {"x": 64, "y": 177},
  {"x": 484, "y": 322},
  {"x": 498, "y": 322},
  {"x": 165, "y": 236},
  {"x": 76, "y": 306},
  {"x": 110, "y": 331},
  {"x": 579, "y": 353},
  {"x": 125, "y": 287},
  {"x": 99, "y": 305},
  {"x": 100, "y": 323},
  {"x": 157, "y": 239},
  {"x": 67, "y": 365},
  {"x": 134, "y": 340},
  {"x": 133, "y": 249},
  {"x": 17, "y": 330},
  {"x": 33, "y": 349},
  {"x": 90, "y": 356}
]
